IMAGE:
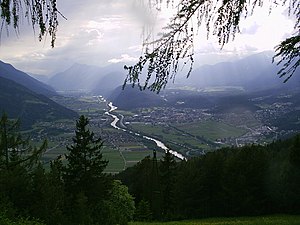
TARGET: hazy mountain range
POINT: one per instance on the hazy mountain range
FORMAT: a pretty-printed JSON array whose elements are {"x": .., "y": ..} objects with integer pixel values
[
  {"x": 94, "y": 79},
  {"x": 252, "y": 73},
  {"x": 209, "y": 85}
]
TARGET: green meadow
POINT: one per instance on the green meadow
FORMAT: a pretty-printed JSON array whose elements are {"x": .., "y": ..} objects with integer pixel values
[{"x": 261, "y": 220}]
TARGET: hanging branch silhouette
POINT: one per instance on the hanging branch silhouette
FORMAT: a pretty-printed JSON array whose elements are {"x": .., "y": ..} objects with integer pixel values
[{"x": 174, "y": 47}]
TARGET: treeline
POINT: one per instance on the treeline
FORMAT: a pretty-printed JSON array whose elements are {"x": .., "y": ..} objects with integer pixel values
[
  {"x": 252, "y": 180},
  {"x": 73, "y": 191}
]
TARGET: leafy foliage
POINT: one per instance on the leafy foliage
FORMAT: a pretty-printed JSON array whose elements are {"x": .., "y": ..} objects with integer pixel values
[
  {"x": 163, "y": 57},
  {"x": 14, "y": 150},
  {"x": 251, "y": 180},
  {"x": 4, "y": 220},
  {"x": 120, "y": 205}
]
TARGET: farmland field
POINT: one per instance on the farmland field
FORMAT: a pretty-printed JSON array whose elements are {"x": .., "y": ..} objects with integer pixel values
[
  {"x": 197, "y": 135},
  {"x": 211, "y": 129}
]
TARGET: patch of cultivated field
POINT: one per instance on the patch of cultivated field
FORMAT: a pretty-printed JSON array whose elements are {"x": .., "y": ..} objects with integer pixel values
[{"x": 211, "y": 129}]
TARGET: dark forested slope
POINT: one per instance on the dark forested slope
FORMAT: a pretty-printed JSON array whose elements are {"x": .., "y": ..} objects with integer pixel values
[
  {"x": 251, "y": 180},
  {"x": 19, "y": 102}
]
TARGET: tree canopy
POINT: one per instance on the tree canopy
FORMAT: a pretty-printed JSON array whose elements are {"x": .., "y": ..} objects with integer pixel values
[{"x": 175, "y": 45}]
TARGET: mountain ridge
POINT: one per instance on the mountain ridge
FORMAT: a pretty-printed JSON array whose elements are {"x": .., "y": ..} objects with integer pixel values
[
  {"x": 20, "y": 102},
  {"x": 88, "y": 78},
  {"x": 255, "y": 72},
  {"x": 9, "y": 72}
]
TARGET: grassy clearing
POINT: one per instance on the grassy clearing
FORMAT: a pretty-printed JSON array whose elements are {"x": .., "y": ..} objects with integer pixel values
[
  {"x": 116, "y": 162},
  {"x": 139, "y": 155},
  {"x": 262, "y": 220},
  {"x": 172, "y": 137},
  {"x": 163, "y": 133}
]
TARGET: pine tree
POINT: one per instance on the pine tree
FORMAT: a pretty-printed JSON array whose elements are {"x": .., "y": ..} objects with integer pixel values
[
  {"x": 85, "y": 161},
  {"x": 14, "y": 149},
  {"x": 83, "y": 174},
  {"x": 17, "y": 160},
  {"x": 167, "y": 173},
  {"x": 155, "y": 189},
  {"x": 143, "y": 211}
]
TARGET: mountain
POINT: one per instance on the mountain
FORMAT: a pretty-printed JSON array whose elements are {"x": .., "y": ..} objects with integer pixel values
[
  {"x": 130, "y": 98},
  {"x": 77, "y": 77},
  {"x": 87, "y": 78},
  {"x": 20, "y": 102},
  {"x": 42, "y": 78},
  {"x": 9, "y": 72},
  {"x": 108, "y": 83},
  {"x": 253, "y": 73}
]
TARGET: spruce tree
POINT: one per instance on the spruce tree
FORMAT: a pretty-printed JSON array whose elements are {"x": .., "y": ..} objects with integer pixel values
[
  {"x": 17, "y": 161},
  {"x": 167, "y": 173},
  {"x": 83, "y": 174},
  {"x": 85, "y": 161}
]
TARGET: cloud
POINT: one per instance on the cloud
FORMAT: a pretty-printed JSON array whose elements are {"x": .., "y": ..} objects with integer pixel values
[
  {"x": 123, "y": 58},
  {"x": 251, "y": 30},
  {"x": 103, "y": 32}
]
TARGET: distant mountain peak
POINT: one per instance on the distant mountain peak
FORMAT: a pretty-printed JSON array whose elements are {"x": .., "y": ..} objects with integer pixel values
[{"x": 88, "y": 78}]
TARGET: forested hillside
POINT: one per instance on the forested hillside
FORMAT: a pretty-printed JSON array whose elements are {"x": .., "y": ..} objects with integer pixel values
[
  {"x": 19, "y": 102},
  {"x": 252, "y": 180}
]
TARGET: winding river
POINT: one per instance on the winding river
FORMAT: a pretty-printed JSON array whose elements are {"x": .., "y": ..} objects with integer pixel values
[{"x": 157, "y": 142}]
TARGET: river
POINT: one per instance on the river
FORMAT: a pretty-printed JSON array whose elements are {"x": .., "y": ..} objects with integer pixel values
[{"x": 157, "y": 142}]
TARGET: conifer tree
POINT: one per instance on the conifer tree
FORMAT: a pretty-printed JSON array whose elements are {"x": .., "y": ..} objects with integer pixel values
[
  {"x": 143, "y": 211},
  {"x": 167, "y": 174},
  {"x": 86, "y": 184},
  {"x": 17, "y": 160},
  {"x": 14, "y": 150},
  {"x": 85, "y": 162},
  {"x": 155, "y": 189}
]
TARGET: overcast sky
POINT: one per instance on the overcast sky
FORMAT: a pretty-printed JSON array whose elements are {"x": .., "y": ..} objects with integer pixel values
[{"x": 109, "y": 31}]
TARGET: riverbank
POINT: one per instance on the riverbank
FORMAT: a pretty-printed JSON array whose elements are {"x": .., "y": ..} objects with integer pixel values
[{"x": 158, "y": 143}]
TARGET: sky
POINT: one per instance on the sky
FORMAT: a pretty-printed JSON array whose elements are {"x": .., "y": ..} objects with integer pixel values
[{"x": 110, "y": 31}]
